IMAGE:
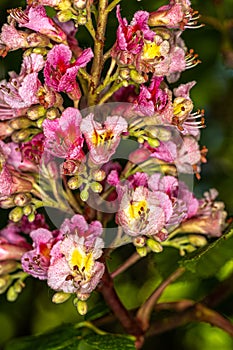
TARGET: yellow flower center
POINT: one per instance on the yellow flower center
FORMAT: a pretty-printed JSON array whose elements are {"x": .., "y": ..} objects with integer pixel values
[
  {"x": 151, "y": 50},
  {"x": 99, "y": 137},
  {"x": 81, "y": 262},
  {"x": 182, "y": 106},
  {"x": 136, "y": 210}
]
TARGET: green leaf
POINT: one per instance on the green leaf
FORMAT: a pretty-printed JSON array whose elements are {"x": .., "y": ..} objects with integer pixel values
[
  {"x": 207, "y": 261},
  {"x": 65, "y": 337},
  {"x": 107, "y": 342}
]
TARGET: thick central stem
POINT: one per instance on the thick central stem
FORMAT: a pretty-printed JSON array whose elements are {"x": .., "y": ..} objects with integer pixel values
[
  {"x": 130, "y": 324},
  {"x": 98, "y": 51}
]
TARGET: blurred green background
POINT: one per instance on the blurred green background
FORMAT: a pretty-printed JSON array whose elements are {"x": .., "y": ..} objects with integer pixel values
[{"x": 33, "y": 312}]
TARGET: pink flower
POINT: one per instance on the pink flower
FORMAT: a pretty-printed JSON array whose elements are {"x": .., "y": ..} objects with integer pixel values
[
  {"x": 103, "y": 139},
  {"x": 36, "y": 261},
  {"x": 63, "y": 137},
  {"x": 73, "y": 267},
  {"x": 178, "y": 15},
  {"x": 21, "y": 90},
  {"x": 36, "y": 19},
  {"x": 60, "y": 74},
  {"x": 143, "y": 212}
]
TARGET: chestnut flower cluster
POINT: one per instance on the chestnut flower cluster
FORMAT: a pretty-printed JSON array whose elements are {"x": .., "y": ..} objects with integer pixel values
[{"x": 59, "y": 151}]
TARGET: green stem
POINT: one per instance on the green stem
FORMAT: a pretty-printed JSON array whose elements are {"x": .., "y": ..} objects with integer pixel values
[
  {"x": 113, "y": 5},
  {"x": 110, "y": 92},
  {"x": 97, "y": 64}
]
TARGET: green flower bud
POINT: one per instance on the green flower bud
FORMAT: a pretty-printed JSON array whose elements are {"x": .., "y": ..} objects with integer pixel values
[
  {"x": 21, "y": 199},
  {"x": 139, "y": 241},
  {"x": 79, "y": 4},
  {"x": 36, "y": 112},
  {"x": 96, "y": 187},
  {"x": 24, "y": 134},
  {"x": 82, "y": 296},
  {"x": 82, "y": 307},
  {"x": 137, "y": 77},
  {"x": 20, "y": 123},
  {"x": 16, "y": 214},
  {"x": 5, "y": 281},
  {"x": 99, "y": 175},
  {"x": 197, "y": 240},
  {"x": 11, "y": 295},
  {"x": 39, "y": 122},
  {"x": 28, "y": 209},
  {"x": 60, "y": 297},
  {"x": 153, "y": 142},
  {"x": 154, "y": 245},
  {"x": 124, "y": 73},
  {"x": 75, "y": 182},
  {"x": 7, "y": 203},
  {"x": 64, "y": 5},
  {"x": 18, "y": 286},
  {"x": 40, "y": 50},
  {"x": 65, "y": 15},
  {"x": 84, "y": 195},
  {"x": 142, "y": 251},
  {"x": 31, "y": 217},
  {"x": 52, "y": 113}
]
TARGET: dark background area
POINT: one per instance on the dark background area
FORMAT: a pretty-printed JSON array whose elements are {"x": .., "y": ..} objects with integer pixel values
[{"x": 33, "y": 312}]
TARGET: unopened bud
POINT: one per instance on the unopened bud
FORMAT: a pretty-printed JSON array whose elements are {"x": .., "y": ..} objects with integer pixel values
[
  {"x": 82, "y": 296},
  {"x": 124, "y": 73},
  {"x": 60, "y": 297},
  {"x": 7, "y": 203},
  {"x": 31, "y": 217},
  {"x": 137, "y": 77},
  {"x": 154, "y": 245},
  {"x": 27, "y": 210},
  {"x": 11, "y": 295},
  {"x": 52, "y": 113},
  {"x": 82, "y": 20},
  {"x": 153, "y": 142},
  {"x": 96, "y": 187},
  {"x": 39, "y": 122},
  {"x": 16, "y": 214},
  {"x": 125, "y": 83},
  {"x": 82, "y": 307},
  {"x": 40, "y": 50},
  {"x": 84, "y": 195},
  {"x": 160, "y": 133},
  {"x": 35, "y": 112},
  {"x": 20, "y": 123},
  {"x": 80, "y": 4},
  {"x": 21, "y": 199},
  {"x": 7, "y": 266},
  {"x": 142, "y": 251},
  {"x": 197, "y": 240},
  {"x": 75, "y": 182},
  {"x": 139, "y": 241},
  {"x": 5, "y": 281},
  {"x": 99, "y": 175},
  {"x": 64, "y": 15},
  {"x": 24, "y": 134},
  {"x": 18, "y": 286}
]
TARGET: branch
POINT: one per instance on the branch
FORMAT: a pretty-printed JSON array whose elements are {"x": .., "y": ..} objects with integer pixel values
[
  {"x": 146, "y": 309},
  {"x": 130, "y": 324},
  {"x": 129, "y": 262},
  {"x": 198, "y": 313}
]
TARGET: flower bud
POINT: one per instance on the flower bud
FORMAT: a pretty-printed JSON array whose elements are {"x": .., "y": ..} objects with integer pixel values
[
  {"x": 27, "y": 210},
  {"x": 84, "y": 195},
  {"x": 31, "y": 217},
  {"x": 11, "y": 294},
  {"x": 142, "y": 251},
  {"x": 79, "y": 4},
  {"x": 137, "y": 77},
  {"x": 7, "y": 203},
  {"x": 16, "y": 214},
  {"x": 60, "y": 297},
  {"x": 20, "y": 123},
  {"x": 18, "y": 286},
  {"x": 75, "y": 182},
  {"x": 35, "y": 112},
  {"x": 139, "y": 241},
  {"x": 197, "y": 240},
  {"x": 52, "y": 113},
  {"x": 160, "y": 133},
  {"x": 96, "y": 187},
  {"x": 7, "y": 266},
  {"x": 23, "y": 135},
  {"x": 124, "y": 73},
  {"x": 99, "y": 175},
  {"x": 154, "y": 245},
  {"x": 5, "y": 130},
  {"x": 5, "y": 281},
  {"x": 21, "y": 199},
  {"x": 64, "y": 5},
  {"x": 153, "y": 142},
  {"x": 64, "y": 15},
  {"x": 82, "y": 307},
  {"x": 82, "y": 20},
  {"x": 39, "y": 122},
  {"x": 38, "y": 40},
  {"x": 82, "y": 296},
  {"x": 40, "y": 50}
]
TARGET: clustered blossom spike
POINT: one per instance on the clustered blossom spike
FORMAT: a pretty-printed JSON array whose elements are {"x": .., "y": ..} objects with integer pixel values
[{"x": 57, "y": 150}]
